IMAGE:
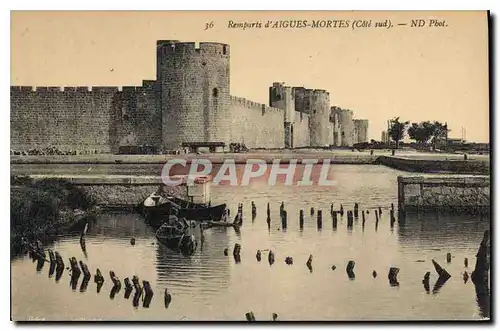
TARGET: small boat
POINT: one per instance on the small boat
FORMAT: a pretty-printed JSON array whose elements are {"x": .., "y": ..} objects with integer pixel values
[
  {"x": 177, "y": 237},
  {"x": 155, "y": 208},
  {"x": 158, "y": 206},
  {"x": 215, "y": 213},
  {"x": 187, "y": 204}
]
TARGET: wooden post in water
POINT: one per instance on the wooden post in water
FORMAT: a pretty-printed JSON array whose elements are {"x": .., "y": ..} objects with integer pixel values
[
  {"x": 320, "y": 219},
  {"x": 75, "y": 270},
  {"x": 350, "y": 269},
  {"x": 349, "y": 219},
  {"x": 393, "y": 220},
  {"x": 443, "y": 277},
  {"x": 334, "y": 220},
  {"x": 128, "y": 284},
  {"x": 148, "y": 291},
  {"x": 448, "y": 257},
  {"x": 59, "y": 261},
  {"x": 240, "y": 213},
  {"x": 98, "y": 277},
  {"x": 114, "y": 279},
  {"x": 85, "y": 270},
  {"x": 363, "y": 218},
  {"x": 331, "y": 210},
  {"x": 250, "y": 316},
  {"x": 309, "y": 263},
  {"x": 376, "y": 218},
  {"x": 426, "y": 281},
  {"x": 167, "y": 298},
  {"x": 270, "y": 258},
  {"x": 128, "y": 288},
  {"x": 284, "y": 219},
  {"x": 480, "y": 274},
  {"x": 356, "y": 206},
  {"x": 138, "y": 291},
  {"x": 466, "y": 262},
  {"x": 236, "y": 253},
  {"x": 301, "y": 219},
  {"x": 268, "y": 217},
  {"x": 380, "y": 211},
  {"x": 393, "y": 276},
  {"x": 341, "y": 210},
  {"x": 312, "y": 211}
]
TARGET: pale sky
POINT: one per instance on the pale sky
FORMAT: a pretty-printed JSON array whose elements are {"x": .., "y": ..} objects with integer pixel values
[{"x": 428, "y": 73}]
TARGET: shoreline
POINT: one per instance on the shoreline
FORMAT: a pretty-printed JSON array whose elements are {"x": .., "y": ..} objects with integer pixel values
[{"x": 284, "y": 157}]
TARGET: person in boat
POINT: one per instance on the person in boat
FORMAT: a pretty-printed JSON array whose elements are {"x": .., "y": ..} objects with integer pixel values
[{"x": 159, "y": 191}]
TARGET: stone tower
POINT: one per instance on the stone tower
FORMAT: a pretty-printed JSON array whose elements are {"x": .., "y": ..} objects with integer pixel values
[
  {"x": 319, "y": 120},
  {"x": 346, "y": 124},
  {"x": 361, "y": 130},
  {"x": 282, "y": 97},
  {"x": 194, "y": 85}
]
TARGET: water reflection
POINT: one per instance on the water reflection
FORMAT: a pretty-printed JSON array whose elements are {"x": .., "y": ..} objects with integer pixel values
[
  {"x": 434, "y": 231},
  {"x": 210, "y": 285},
  {"x": 207, "y": 270},
  {"x": 483, "y": 298}
]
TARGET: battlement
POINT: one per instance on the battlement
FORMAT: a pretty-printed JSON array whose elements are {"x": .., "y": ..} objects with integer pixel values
[
  {"x": 343, "y": 111},
  {"x": 242, "y": 102},
  {"x": 148, "y": 86},
  {"x": 166, "y": 47},
  {"x": 160, "y": 43}
]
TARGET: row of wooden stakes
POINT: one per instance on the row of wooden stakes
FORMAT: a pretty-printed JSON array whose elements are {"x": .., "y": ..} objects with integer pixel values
[
  {"x": 392, "y": 276},
  {"x": 351, "y": 215},
  {"x": 77, "y": 268}
]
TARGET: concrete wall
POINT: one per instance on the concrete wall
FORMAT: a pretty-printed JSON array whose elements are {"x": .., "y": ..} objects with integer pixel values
[
  {"x": 468, "y": 193},
  {"x": 479, "y": 167},
  {"x": 256, "y": 124},
  {"x": 125, "y": 190}
]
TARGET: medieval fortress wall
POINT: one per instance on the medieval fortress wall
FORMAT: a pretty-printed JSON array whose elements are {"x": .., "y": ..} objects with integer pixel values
[{"x": 189, "y": 101}]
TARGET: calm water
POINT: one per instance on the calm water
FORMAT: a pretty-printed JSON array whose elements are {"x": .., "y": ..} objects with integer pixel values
[{"x": 210, "y": 286}]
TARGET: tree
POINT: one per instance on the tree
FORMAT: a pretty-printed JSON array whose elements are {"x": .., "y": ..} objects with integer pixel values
[
  {"x": 439, "y": 133},
  {"x": 397, "y": 130},
  {"x": 421, "y": 132}
]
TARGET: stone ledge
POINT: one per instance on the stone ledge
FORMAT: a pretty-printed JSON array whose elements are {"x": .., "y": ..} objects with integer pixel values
[
  {"x": 472, "y": 180},
  {"x": 110, "y": 179}
]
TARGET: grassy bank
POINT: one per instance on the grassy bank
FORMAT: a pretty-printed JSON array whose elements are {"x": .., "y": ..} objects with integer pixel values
[{"x": 40, "y": 209}]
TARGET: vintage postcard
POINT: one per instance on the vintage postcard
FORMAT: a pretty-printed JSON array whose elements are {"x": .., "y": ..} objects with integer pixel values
[{"x": 250, "y": 166}]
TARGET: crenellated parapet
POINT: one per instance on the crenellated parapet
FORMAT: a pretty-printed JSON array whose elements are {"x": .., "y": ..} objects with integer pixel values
[
  {"x": 252, "y": 105},
  {"x": 176, "y": 47}
]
